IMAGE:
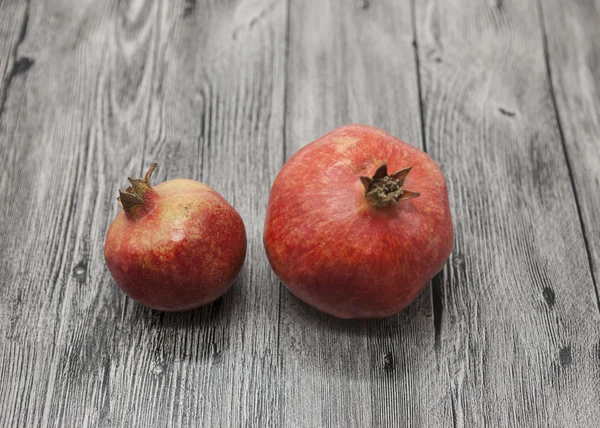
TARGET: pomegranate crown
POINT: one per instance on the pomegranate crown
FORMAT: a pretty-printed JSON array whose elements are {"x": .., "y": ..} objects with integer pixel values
[
  {"x": 135, "y": 195},
  {"x": 384, "y": 190}
]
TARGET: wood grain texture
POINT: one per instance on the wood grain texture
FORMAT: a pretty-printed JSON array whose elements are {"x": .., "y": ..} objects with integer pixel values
[
  {"x": 572, "y": 36},
  {"x": 355, "y": 62},
  {"x": 520, "y": 324},
  {"x": 50, "y": 274},
  {"x": 116, "y": 85},
  {"x": 13, "y": 27},
  {"x": 224, "y": 91}
]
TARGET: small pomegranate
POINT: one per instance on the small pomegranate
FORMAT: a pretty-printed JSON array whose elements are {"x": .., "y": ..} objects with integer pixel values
[
  {"x": 175, "y": 246},
  {"x": 350, "y": 238}
]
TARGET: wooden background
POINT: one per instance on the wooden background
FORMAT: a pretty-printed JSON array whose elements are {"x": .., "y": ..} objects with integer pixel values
[{"x": 503, "y": 94}]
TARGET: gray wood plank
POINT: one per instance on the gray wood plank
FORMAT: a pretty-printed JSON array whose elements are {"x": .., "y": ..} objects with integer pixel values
[
  {"x": 520, "y": 324},
  {"x": 218, "y": 118},
  {"x": 354, "y": 62},
  {"x": 52, "y": 189},
  {"x": 572, "y": 31},
  {"x": 199, "y": 88}
]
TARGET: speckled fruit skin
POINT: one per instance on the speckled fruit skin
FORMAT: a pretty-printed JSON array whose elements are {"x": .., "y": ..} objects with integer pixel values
[
  {"x": 335, "y": 250},
  {"x": 183, "y": 253}
]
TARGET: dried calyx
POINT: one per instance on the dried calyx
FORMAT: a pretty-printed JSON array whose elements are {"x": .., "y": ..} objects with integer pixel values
[
  {"x": 135, "y": 195},
  {"x": 384, "y": 190}
]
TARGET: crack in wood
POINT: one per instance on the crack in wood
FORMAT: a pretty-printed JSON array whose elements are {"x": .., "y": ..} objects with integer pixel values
[
  {"x": 436, "y": 286},
  {"x": 438, "y": 310},
  {"x": 506, "y": 112},
  {"x": 283, "y": 160},
  {"x": 261, "y": 15},
  {"x": 18, "y": 66},
  {"x": 418, "y": 71},
  {"x": 204, "y": 133}
]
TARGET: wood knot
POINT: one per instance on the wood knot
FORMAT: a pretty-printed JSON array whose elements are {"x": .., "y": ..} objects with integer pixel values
[
  {"x": 565, "y": 357},
  {"x": 22, "y": 65},
  {"x": 549, "y": 296},
  {"x": 388, "y": 362}
]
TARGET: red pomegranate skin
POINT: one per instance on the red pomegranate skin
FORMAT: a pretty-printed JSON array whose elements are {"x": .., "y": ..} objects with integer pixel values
[
  {"x": 333, "y": 248},
  {"x": 182, "y": 250}
]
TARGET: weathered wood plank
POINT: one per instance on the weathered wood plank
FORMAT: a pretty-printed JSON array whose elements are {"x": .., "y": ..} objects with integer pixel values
[
  {"x": 52, "y": 192},
  {"x": 354, "y": 62},
  {"x": 572, "y": 32},
  {"x": 198, "y": 87},
  {"x": 218, "y": 117},
  {"x": 520, "y": 323}
]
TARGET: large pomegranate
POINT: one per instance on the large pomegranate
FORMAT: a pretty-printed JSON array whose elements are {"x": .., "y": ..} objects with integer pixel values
[
  {"x": 358, "y": 222},
  {"x": 175, "y": 246}
]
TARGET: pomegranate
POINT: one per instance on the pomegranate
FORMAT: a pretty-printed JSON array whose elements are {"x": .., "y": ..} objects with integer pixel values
[
  {"x": 175, "y": 246},
  {"x": 348, "y": 237}
]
